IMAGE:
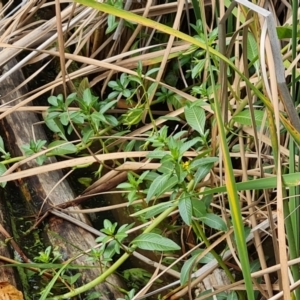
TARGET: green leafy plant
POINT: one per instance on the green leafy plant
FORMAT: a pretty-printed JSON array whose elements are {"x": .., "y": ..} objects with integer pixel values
[
  {"x": 48, "y": 255},
  {"x": 90, "y": 119},
  {"x": 183, "y": 164},
  {"x": 34, "y": 147},
  {"x": 112, "y": 241}
]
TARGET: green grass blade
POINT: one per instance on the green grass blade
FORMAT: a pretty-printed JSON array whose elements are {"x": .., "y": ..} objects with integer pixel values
[
  {"x": 289, "y": 180},
  {"x": 234, "y": 202}
]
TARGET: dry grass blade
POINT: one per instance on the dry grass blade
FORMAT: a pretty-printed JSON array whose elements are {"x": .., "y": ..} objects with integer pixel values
[
  {"x": 61, "y": 44},
  {"x": 77, "y": 162},
  {"x": 76, "y": 39}
]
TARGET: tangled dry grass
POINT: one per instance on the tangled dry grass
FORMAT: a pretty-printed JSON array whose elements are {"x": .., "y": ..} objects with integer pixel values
[{"x": 74, "y": 37}]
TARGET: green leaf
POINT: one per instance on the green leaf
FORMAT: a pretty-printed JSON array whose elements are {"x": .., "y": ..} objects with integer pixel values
[
  {"x": 151, "y": 71},
  {"x": 154, "y": 242},
  {"x": 206, "y": 292},
  {"x": 77, "y": 117},
  {"x": 197, "y": 162},
  {"x": 86, "y": 181},
  {"x": 286, "y": 32},
  {"x": 186, "y": 269},
  {"x": 161, "y": 185},
  {"x": 27, "y": 150},
  {"x": 111, "y": 120},
  {"x": 207, "y": 258},
  {"x": 244, "y": 117},
  {"x": 71, "y": 279},
  {"x": 170, "y": 118},
  {"x": 181, "y": 173},
  {"x": 156, "y": 185},
  {"x": 87, "y": 97},
  {"x": 199, "y": 208},
  {"x": 39, "y": 144},
  {"x": 198, "y": 68},
  {"x": 186, "y": 209},
  {"x": 214, "y": 222},
  {"x": 62, "y": 148},
  {"x": 64, "y": 118},
  {"x": 157, "y": 209},
  {"x": 53, "y": 101},
  {"x": 252, "y": 51},
  {"x": 87, "y": 133},
  {"x": 232, "y": 296},
  {"x": 41, "y": 159},
  {"x": 207, "y": 199},
  {"x": 96, "y": 118},
  {"x": 166, "y": 168},
  {"x": 187, "y": 145},
  {"x": 2, "y": 171},
  {"x": 153, "y": 210},
  {"x": 56, "y": 127},
  {"x": 112, "y": 24},
  {"x": 195, "y": 117},
  {"x": 2, "y": 149},
  {"x": 124, "y": 185},
  {"x": 255, "y": 265},
  {"x": 157, "y": 154},
  {"x": 202, "y": 172},
  {"x": 107, "y": 106}
]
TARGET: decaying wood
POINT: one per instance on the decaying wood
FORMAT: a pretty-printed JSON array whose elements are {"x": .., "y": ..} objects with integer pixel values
[
  {"x": 70, "y": 239},
  {"x": 7, "y": 274}
]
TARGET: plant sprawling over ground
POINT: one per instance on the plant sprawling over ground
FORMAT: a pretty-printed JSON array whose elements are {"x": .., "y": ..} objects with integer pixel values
[{"x": 189, "y": 110}]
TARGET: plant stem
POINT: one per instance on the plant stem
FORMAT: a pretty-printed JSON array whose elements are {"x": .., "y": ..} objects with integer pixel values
[{"x": 118, "y": 263}]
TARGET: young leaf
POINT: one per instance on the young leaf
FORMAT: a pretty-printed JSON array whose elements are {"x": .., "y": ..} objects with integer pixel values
[
  {"x": 53, "y": 100},
  {"x": 87, "y": 97},
  {"x": 154, "y": 242},
  {"x": 77, "y": 117},
  {"x": 86, "y": 181},
  {"x": 186, "y": 209},
  {"x": 112, "y": 24},
  {"x": 64, "y": 118},
  {"x": 41, "y": 159},
  {"x": 195, "y": 117},
  {"x": 71, "y": 279}
]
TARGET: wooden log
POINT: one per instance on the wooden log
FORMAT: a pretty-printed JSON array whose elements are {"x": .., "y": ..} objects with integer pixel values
[
  {"x": 40, "y": 193},
  {"x": 7, "y": 274}
]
